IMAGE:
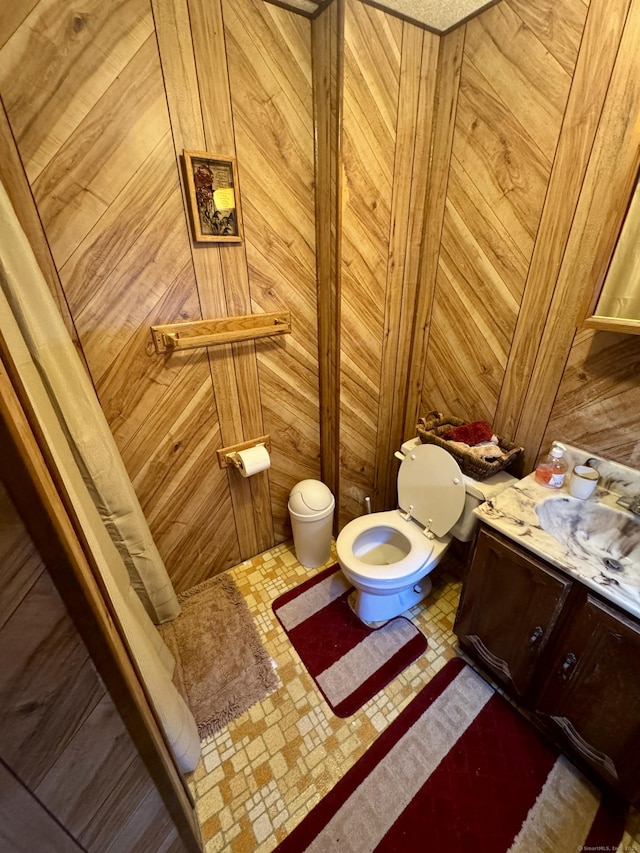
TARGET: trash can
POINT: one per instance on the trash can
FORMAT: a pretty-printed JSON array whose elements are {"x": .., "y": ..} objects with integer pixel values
[{"x": 311, "y": 509}]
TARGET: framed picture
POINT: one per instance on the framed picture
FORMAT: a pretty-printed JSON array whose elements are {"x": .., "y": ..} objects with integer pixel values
[{"x": 212, "y": 183}]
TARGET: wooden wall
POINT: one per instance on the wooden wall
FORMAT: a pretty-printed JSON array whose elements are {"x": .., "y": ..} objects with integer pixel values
[
  {"x": 504, "y": 133},
  {"x": 546, "y": 119},
  {"x": 71, "y": 778},
  {"x": 390, "y": 82},
  {"x": 101, "y": 104},
  {"x": 372, "y": 58},
  {"x": 511, "y": 99},
  {"x": 593, "y": 396},
  {"x": 414, "y": 200}
]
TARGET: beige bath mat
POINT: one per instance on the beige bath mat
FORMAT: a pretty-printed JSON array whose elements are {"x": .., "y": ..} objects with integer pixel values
[{"x": 222, "y": 668}]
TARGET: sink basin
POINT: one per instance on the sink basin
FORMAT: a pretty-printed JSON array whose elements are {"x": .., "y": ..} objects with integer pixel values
[
  {"x": 596, "y": 541},
  {"x": 606, "y": 537}
]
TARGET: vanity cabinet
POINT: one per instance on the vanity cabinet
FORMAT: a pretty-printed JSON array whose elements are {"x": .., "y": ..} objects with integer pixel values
[
  {"x": 591, "y": 692},
  {"x": 510, "y": 604},
  {"x": 569, "y": 658}
]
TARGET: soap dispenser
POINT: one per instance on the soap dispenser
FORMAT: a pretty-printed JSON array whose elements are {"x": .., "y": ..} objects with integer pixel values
[{"x": 551, "y": 470}]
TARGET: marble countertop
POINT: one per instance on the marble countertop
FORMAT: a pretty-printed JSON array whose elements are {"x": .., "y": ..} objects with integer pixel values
[{"x": 595, "y": 541}]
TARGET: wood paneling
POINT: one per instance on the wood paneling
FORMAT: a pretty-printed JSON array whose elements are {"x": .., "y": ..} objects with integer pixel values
[
  {"x": 584, "y": 107},
  {"x": 526, "y": 205},
  {"x": 11, "y": 16},
  {"x": 252, "y": 64},
  {"x": 372, "y": 54},
  {"x": 123, "y": 90},
  {"x": 18, "y": 568},
  {"x": 33, "y": 681},
  {"x": 64, "y": 749},
  {"x": 327, "y": 33},
  {"x": 445, "y": 95},
  {"x": 598, "y": 400},
  {"x": 513, "y": 93},
  {"x": 251, "y": 498},
  {"x": 415, "y": 108},
  {"x": 516, "y": 60},
  {"x": 269, "y": 54},
  {"x": 110, "y": 201},
  {"x": 17, "y": 186},
  {"x": 25, "y": 824},
  {"x": 558, "y": 26},
  {"x": 84, "y": 176},
  {"x": 410, "y": 198},
  {"x": 594, "y": 403},
  {"x": 58, "y": 62},
  {"x": 177, "y": 53},
  {"x": 115, "y": 828},
  {"x": 82, "y": 772}
]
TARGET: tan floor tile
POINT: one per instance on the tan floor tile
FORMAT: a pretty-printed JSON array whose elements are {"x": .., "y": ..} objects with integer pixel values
[
  {"x": 262, "y": 774},
  {"x": 210, "y": 827}
]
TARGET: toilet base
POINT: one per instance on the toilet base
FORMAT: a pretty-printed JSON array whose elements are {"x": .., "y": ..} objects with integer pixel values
[{"x": 372, "y": 607}]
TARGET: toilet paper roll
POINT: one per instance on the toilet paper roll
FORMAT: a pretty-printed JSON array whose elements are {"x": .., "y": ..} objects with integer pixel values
[{"x": 253, "y": 459}]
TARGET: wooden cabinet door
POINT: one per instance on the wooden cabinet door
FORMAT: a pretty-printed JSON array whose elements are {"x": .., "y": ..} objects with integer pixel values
[
  {"x": 592, "y": 694},
  {"x": 510, "y": 604}
]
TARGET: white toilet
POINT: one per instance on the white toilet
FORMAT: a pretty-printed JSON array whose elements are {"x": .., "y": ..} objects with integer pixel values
[{"x": 388, "y": 555}]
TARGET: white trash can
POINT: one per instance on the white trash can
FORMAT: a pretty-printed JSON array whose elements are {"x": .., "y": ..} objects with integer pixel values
[{"x": 311, "y": 509}]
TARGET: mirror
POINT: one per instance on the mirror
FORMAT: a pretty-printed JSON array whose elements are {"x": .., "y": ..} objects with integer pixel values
[{"x": 617, "y": 305}]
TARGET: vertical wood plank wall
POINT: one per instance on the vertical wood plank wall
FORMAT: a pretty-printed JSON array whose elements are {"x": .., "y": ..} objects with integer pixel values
[
  {"x": 425, "y": 258},
  {"x": 327, "y": 33},
  {"x": 70, "y": 776},
  {"x": 372, "y": 61}
]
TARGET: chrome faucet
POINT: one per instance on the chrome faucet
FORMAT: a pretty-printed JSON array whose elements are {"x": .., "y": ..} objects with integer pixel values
[{"x": 630, "y": 502}]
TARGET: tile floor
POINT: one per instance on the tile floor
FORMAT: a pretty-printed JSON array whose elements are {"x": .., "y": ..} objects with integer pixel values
[{"x": 267, "y": 769}]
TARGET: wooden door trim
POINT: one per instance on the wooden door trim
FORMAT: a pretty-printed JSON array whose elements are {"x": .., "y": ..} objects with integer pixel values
[{"x": 327, "y": 40}]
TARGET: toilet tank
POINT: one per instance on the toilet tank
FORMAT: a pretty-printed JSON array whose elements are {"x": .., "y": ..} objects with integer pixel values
[{"x": 478, "y": 491}]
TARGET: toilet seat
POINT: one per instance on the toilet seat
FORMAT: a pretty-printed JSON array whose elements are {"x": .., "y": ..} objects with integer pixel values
[
  {"x": 388, "y": 555},
  {"x": 418, "y": 552},
  {"x": 431, "y": 483}
]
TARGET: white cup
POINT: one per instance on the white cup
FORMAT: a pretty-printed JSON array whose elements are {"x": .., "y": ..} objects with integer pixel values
[{"x": 583, "y": 482}]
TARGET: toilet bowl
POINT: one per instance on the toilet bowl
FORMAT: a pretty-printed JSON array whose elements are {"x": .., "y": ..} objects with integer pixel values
[
  {"x": 387, "y": 556},
  {"x": 387, "y": 563}
]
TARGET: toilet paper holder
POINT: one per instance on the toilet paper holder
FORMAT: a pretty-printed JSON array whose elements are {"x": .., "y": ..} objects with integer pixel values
[{"x": 228, "y": 456}]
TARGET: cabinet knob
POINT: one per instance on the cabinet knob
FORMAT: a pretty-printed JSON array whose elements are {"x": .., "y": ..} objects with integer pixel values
[
  {"x": 567, "y": 666},
  {"x": 537, "y": 633}
]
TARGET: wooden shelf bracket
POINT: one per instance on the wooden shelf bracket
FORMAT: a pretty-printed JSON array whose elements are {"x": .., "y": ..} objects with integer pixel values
[{"x": 206, "y": 333}]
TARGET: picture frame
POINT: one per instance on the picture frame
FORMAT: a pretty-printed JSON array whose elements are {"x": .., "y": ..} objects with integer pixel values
[{"x": 212, "y": 190}]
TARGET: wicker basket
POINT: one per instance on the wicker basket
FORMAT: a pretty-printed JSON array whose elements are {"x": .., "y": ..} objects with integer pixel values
[{"x": 435, "y": 425}]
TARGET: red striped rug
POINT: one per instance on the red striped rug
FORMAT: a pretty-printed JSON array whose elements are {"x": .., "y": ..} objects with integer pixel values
[
  {"x": 458, "y": 771},
  {"x": 349, "y": 661}
]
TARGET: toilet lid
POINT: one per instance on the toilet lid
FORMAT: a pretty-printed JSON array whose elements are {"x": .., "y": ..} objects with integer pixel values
[{"x": 431, "y": 482}]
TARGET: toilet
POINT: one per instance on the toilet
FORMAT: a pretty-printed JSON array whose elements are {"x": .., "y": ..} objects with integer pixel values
[{"x": 387, "y": 556}]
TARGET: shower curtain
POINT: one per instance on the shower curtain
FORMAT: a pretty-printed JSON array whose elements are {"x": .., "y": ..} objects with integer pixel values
[
  {"x": 81, "y": 417},
  {"x": 85, "y": 456}
]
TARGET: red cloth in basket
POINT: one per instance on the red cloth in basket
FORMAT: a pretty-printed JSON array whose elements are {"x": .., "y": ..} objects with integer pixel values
[{"x": 471, "y": 434}]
